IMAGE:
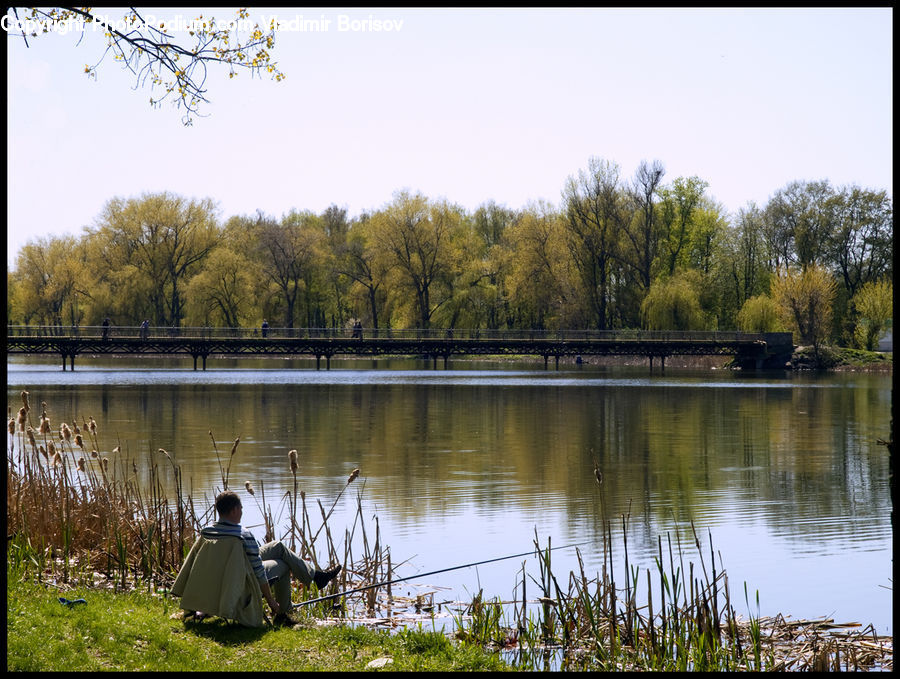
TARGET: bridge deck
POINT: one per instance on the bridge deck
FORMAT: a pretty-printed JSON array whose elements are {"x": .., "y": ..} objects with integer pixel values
[{"x": 235, "y": 342}]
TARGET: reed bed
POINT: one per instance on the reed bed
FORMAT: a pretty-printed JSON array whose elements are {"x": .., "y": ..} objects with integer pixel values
[
  {"x": 83, "y": 513},
  {"x": 80, "y": 513},
  {"x": 685, "y": 620}
]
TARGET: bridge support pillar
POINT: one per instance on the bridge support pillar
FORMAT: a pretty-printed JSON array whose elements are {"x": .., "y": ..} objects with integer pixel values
[
  {"x": 557, "y": 361},
  {"x": 546, "y": 358}
]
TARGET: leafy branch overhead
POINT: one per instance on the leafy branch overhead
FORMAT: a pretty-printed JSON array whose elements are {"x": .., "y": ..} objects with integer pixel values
[{"x": 171, "y": 56}]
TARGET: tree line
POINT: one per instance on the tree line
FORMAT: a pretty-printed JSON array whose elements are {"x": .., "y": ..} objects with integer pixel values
[{"x": 617, "y": 252}]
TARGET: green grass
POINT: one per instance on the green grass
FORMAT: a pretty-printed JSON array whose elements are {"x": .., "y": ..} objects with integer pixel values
[
  {"x": 135, "y": 631},
  {"x": 860, "y": 357},
  {"x": 842, "y": 358}
]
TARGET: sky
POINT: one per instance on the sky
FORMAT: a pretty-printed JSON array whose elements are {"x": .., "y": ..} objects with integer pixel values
[{"x": 471, "y": 105}]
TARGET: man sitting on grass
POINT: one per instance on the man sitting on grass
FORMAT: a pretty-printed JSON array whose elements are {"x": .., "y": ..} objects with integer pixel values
[{"x": 272, "y": 561}]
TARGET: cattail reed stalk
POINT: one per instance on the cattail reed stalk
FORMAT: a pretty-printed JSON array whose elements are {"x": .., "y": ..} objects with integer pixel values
[
  {"x": 305, "y": 527},
  {"x": 292, "y": 458},
  {"x": 230, "y": 458},
  {"x": 218, "y": 460},
  {"x": 353, "y": 476}
]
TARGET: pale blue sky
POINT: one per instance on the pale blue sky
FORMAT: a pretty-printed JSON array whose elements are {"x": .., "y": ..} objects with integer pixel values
[{"x": 466, "y": 104}]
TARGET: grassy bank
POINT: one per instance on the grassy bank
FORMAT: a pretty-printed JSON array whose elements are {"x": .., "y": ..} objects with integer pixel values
[{"x": 139, "y": 631}]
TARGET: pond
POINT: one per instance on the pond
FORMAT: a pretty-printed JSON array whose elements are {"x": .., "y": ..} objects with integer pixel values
[{"x": 781, "y": 472}]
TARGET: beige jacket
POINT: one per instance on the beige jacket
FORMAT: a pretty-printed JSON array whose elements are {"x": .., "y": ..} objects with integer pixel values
[{"x": 217, "y": 578}]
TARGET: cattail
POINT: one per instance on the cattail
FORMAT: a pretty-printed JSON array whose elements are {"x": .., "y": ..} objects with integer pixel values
[
  {"x": 116, "y": 449},
  {"x": 293, "y": 457},
  {"x": 51, "y": 448},
  {"x": 95, "y": 454},
  {"x": 23, "y": 416},
  {"x": 43, "y": 451},
  {"x": 80, "y": 464},
  {"x": 104, "y": 464},
  {"x": 45, "y": 424},
  {"x": 65, "y": 432},
  {"x": 75, "y": 428},
  {"x": 79, "y": 441},
  {"x": 353, "y": 476},
  {"x": 92, "y": 427},
  {"x": 12, "y": 426},
  {"x": 30, "y": 433},
  {"x": 248, "y": 487},
  {"x": 25, "y": 400},
  {"x": 57, "y": 460},
  {"x": 235, "y": 445}
]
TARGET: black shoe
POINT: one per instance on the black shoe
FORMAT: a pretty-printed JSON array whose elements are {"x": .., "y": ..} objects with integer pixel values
[
  {"x": 283, "y": 620},
  {"x": 322, "y": 578}
]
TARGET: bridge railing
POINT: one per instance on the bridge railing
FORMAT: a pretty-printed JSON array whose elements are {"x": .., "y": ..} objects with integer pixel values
[{"x": 447, "y": 334}]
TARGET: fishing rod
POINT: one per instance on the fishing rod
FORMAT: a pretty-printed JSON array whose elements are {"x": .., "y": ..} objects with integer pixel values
[{"x": 425, "y": 575}]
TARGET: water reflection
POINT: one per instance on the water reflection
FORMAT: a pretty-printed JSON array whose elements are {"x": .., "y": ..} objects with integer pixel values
[{"x": 462, "y": 465}]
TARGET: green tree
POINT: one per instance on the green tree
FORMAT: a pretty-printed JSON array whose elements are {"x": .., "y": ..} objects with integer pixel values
[
  {"x": 759, "y": 314},
  {"x": 285, "y": 252},
  {"x": 490, "y": 221},
  {"x": 155, "y": 244},
  {"x": 678, "y": 207},
  {"x": 596, "y": 213},
  {"x": 805, "y": 300},
  {"x": 535, "y": 261},
  {"x": 358, "y": 261},
  {"x": 800, "y": 221},
  {"x": 863, "y": 242},
  {"x": 746, "y": 255},
  {"x": 414, "y": 236},
  {"x": 480, "y": 290},
  {"x": 674, "y": 303},
  {"x": 47, "y": 283},
  {"x": 874, "y": 305},
  {"x": 222, "y": 294},
  {"x": 336, "y": 228},
  {"x": 641, "y": 236},
  {"x": 174, "y": 68}
]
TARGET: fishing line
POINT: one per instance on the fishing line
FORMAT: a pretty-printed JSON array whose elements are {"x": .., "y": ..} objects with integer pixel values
[{"x": 425, "y": 575}]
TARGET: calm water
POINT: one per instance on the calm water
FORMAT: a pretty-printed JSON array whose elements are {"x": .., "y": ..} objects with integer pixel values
[{"x": 462, "y": 465}]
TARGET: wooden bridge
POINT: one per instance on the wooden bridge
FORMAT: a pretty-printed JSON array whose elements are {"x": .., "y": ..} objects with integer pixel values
[{"x": 751, "y": 350}]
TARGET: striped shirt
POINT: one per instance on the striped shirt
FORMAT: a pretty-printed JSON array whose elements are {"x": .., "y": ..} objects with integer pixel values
[{"x": 251, "y": 546}]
